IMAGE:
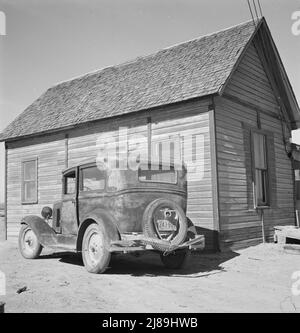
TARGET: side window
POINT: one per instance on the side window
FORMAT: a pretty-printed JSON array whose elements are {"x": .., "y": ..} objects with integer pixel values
[
  {"x": 260, "y": 169},
  {"x": 70, "y": 183},
  {"x": 29, "y": 181},
  {"x": 92, "y": 179}
]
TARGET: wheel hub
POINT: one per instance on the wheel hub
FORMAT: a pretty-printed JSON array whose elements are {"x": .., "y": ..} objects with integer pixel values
[
  {"x": 95, "y": 247},
  {"x": 29, "y": 240}
]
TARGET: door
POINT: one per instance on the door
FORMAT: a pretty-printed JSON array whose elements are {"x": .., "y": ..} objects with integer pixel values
[
  {"x": 69, "y": 221},
  {"x": 91, "y": 193}
]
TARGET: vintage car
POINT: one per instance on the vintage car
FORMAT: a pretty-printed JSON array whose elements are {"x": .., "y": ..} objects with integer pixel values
[{"x": 104, "y": 211}]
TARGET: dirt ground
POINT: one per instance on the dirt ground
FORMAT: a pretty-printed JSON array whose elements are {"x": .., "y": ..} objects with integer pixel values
[{"x": 256, "y": 279}]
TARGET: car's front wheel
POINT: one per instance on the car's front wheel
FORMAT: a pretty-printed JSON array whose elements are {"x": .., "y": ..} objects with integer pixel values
[
  {"x": 174, "y": 260},
  {"x": 29, "y": 245},
  {"x": 95, "y": 252}
]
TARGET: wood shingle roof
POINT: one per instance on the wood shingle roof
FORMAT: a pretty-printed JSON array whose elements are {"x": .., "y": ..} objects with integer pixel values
[{"x": 189, "y": 70}]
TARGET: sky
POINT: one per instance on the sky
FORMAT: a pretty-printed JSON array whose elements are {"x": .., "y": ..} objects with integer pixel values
[{"x": 48, "y": 41}]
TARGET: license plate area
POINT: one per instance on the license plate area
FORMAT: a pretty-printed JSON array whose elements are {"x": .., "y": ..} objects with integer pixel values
[{"x": 165, "y": 226}]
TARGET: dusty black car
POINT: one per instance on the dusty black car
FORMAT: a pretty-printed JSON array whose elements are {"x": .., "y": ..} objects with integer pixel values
[{"x": 104, "y": 211}]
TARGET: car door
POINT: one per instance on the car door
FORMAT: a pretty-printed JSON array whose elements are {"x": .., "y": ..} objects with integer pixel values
[
  {"x": 69, "y": 220},
  {"x": 92, "y": 190}
]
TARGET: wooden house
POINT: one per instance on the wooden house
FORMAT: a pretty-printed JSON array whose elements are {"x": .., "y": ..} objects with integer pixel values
[{"x": 229, "y": 87}]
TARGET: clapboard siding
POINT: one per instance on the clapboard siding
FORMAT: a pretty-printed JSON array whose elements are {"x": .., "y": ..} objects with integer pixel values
[
  {"x": 250, "y": 83},
  {"x": 50, "y": 156},
  {"x": 240, "y": 224},
  {"x": 186, "y": 120},
  {"x": 83, "y": 143},
  {"x": 191, "y": 122}
]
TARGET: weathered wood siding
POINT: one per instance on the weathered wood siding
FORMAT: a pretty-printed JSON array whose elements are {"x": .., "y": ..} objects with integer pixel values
[
  {"x": 50, "y": 156},
  {"x": 249, "y": 96},
  {"x": 184, "y": 120},
  {"x": 195, "y": 131}
]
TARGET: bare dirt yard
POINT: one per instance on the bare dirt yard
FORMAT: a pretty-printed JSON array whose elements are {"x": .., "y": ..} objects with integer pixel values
[{"x": 256, "y": 279}]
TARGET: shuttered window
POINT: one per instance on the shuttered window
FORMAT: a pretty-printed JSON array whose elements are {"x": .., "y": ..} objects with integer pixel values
[
  {"x": 29, "y": 181},
  {"x": 297, "y": 181},
  {"x": 260, "y": 169},
  {"x": 260, "y": 166}
]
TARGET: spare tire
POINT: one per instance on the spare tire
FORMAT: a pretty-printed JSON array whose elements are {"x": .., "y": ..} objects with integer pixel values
[{"x": 160, "y": 215}]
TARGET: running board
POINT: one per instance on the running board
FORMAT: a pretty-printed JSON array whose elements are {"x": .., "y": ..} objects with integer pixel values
[{"x": 58, "y": 241}]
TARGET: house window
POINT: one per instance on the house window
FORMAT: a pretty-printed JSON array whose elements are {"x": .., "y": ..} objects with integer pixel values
[
  {"x": 29, "y": 181},
  {"x": 260, "y": 169}
]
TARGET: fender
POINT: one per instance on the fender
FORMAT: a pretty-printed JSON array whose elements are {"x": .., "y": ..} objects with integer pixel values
[
  {"x": 40, "y": 227},
  {"x": 100, "y": 216}
]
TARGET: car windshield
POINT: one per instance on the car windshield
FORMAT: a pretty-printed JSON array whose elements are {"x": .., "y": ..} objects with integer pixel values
[{"x": 158, "y": 176}]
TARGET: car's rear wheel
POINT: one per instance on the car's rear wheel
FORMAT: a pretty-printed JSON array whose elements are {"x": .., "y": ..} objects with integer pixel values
[
  {"x": 175, "y": 260},
  {"x": 95, "y": 249},
  {"x": 29, "y": 246}
]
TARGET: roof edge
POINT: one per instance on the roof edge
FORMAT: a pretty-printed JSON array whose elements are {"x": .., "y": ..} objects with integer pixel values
[
  {"x": 240, "y": 57},
  {"x": 286, "y": 80},
  {"x": 75, "y": 126}
]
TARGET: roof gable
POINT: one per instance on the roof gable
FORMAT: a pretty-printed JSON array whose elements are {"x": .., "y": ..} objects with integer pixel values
[
  {"x": 272, "y": 87},
  {"x": 277, "y": 75}
]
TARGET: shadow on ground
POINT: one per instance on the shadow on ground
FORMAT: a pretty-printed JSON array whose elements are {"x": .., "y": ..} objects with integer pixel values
[{"x": 149, "y": 264}]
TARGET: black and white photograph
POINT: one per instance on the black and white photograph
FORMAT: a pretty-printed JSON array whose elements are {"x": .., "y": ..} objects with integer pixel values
[{"x": 149, "y": 159}]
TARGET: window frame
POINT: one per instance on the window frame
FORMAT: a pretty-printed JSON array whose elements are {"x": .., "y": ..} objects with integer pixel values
[
  {"x": 265, "y": 171},
  {"x": 80, "y": 185},
  {"x": 64, "y": 183},
  {"x": 23, "y": 181},
  {"x": 157, "y": 181}
]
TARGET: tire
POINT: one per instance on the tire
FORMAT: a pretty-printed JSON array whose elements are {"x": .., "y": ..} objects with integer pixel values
[
  {"x": 95, "y": 249},
  {"x": 29, "y": 246},
  {"x": 150, "y": 230},
  {"x": 175, "y": 260}
]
